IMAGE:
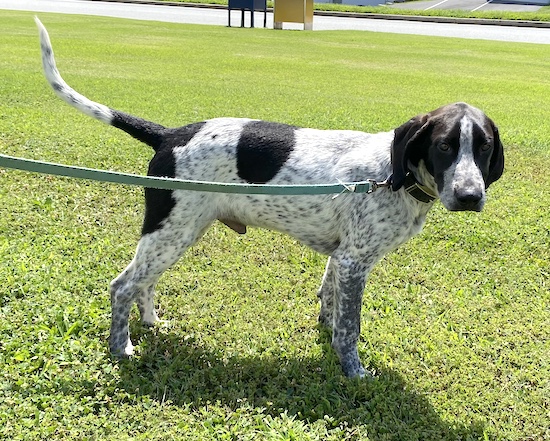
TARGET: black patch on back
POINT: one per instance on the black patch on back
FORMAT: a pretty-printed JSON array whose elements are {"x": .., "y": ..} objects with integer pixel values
[
  {"x": 263, "y": 149},
  {"x": 159, "y": 203},
  {"x": 180, "y": 136}
]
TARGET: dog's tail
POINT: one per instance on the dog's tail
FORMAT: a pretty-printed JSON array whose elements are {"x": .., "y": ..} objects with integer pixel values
[{"x": 146, "y": 131}]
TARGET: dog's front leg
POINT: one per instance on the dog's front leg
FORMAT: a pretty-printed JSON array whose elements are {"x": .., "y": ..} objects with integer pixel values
[
  {"x": 350, "y": 274},
  {"x": 326, "y": 295}
]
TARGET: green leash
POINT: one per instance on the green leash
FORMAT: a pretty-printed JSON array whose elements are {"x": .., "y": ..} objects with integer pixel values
[{"x": 49, "y": 168}]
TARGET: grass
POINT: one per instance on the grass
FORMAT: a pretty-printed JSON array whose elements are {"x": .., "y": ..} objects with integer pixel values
[
  {"x": 543, "y": 14},
  {"x": 455, "y": 323}
]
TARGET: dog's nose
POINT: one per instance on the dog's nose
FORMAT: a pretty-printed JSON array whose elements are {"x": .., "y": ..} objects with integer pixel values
[{"x": 469, "y": 198}]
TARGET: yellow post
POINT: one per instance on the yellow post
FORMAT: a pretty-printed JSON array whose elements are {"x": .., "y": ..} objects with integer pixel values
[{"x": 293, "y": 11}]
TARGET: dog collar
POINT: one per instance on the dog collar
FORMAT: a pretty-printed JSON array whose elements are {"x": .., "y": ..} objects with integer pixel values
[{"x": 417, "y": 190}]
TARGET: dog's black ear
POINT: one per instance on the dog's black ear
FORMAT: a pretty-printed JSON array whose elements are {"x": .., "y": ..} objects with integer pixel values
[
  {"x": 496, "y": 166},
  {"x": 404, "y": 141}
]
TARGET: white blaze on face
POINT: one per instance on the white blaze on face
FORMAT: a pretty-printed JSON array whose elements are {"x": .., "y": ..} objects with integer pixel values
[{"x": 463, "y": 180}]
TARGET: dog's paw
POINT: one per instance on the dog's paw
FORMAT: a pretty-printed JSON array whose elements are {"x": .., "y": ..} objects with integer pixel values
[
  {"x": 353, "y": 372},
  {"x": 364, "y": 374},
  {"x": 125, "y": 350},
  {"x": 157, "y": 322},
  {"x": 129, "y": 349},
  {"x": 351, "y": 365},
  {"x": 149, "y": 317}
]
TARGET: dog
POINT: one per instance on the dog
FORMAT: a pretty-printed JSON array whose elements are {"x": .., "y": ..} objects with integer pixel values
[{"x": 452, "y": 154}]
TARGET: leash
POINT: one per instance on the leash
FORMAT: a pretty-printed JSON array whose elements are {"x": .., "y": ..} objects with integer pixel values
[{"x": 368, "y": 186}]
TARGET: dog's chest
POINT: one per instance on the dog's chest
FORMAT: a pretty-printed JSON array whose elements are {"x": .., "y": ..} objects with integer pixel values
[{"x": 384, "y": 222}]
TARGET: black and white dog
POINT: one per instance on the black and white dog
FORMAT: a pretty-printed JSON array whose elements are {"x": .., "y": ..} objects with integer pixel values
[{"x": 453, "y": 153}]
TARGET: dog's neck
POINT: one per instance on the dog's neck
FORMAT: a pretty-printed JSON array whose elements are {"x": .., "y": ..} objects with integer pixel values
[{"x": 420, "y": 184}]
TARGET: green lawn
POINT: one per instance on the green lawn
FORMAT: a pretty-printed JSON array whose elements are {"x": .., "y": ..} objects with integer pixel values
[{"x": 456, "y": 323}]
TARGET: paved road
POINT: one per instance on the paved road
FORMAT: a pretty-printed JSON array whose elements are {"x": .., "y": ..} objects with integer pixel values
[
  {"x": 467, "y": 5},
  {"x": 219, "y": 17}
]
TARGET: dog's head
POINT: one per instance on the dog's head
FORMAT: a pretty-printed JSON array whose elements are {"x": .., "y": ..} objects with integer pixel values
[{"x": 456, "y": 148}]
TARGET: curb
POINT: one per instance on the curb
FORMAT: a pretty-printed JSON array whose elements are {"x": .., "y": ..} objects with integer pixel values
[
  {"x": 418, "y": 18},
  {"x": 433, "y": 19}
]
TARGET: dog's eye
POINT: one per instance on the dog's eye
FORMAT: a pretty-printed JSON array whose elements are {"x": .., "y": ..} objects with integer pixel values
[
  {"x": 444, "y": 147},
  {"x": 486, "y": 146}
]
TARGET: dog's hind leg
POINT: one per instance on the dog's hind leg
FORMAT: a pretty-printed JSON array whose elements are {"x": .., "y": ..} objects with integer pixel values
[
  {"x": 122, "y": 298},
  {"x": 156, "y": 252},
  {"x": 146, "y": 306}
]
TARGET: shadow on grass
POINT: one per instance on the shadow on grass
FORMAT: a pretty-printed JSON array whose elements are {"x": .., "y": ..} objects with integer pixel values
[{"x": 307, "y": 389}]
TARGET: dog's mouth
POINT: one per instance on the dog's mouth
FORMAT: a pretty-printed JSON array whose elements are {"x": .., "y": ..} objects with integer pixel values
[
  {"x": 466, "y": 207},
  {"x": 473, "y": 201}
]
